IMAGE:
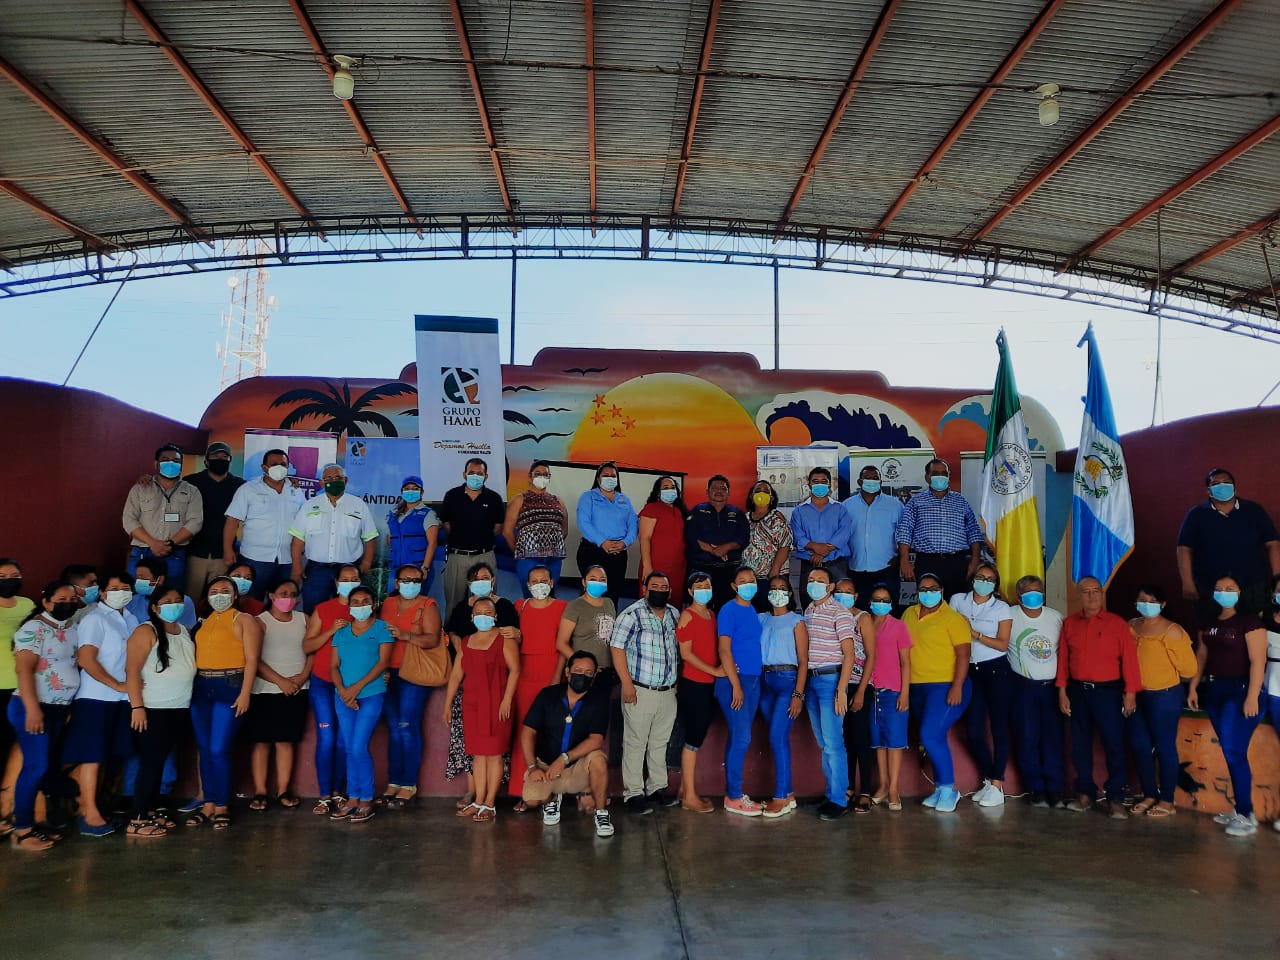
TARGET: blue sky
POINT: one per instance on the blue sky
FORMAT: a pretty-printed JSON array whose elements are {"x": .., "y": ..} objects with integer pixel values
[{"x": 156, "y": 349}]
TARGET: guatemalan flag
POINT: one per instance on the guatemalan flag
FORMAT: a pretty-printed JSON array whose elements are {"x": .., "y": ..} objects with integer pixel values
[{"x": 1101, "y": 506}]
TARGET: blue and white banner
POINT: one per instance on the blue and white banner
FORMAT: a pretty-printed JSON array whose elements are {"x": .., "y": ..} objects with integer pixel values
[
  {"x": 459, "y": 401},
  {"x": 1101, "y": 505},
  {"x": 376, "y": 468}
]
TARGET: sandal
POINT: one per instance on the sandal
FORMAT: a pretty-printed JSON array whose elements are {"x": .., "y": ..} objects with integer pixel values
[
  {"x": 466, "y": 811},
  {"x": 288, "y": 800},
  {"x": 195, "y": 818},
  {"x": 467, "y": 800},
  {"x": 863, "y": 804},
  {"x": 341, "y": 812},
  {"x": 259, "y": 802},
  {"x": 362, "y": 814},
  {"x": 324, "y": 806},
  {"x": 32, "y": 841},
  {"x": 484, "y": 814},
  {"x": 879, "y": 798},
  {"x": 145, "y": 828},
  {"x": 1159, "y": 811},
  {"x": 221, "y": 821},
  {"x": 6, "y": 827},
  {"x": 394, "y": 803},
  {"x": 1142, "y": 806}
]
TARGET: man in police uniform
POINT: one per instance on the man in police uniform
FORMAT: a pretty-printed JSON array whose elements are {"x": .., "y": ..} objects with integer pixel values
[{"x": 331, "y": 531}]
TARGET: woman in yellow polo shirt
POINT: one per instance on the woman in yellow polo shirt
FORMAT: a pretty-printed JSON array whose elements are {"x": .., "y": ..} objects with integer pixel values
[{"x": 940, "y": 688}]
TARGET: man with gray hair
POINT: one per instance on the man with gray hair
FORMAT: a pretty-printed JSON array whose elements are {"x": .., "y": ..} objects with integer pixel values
[{"x": 330, "y": 531}]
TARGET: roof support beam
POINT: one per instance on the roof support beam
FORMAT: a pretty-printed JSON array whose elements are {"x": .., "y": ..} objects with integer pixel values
[
  {"x": 15, "y": 191},
  {"x": 1228, "y": 243},
  {"x": 1037, "y": 27},
  {"x": 464, "y": 41},
  {"x": 695, "y": 104},
  {"x": 81, "y": 133},
  {"x": 860, "y": 67},
  {"x": 353, "y": 112},
  {"x": 589, "y": 22},
  {"x": 152, "y": 30},
  {"x": 1232, "y": 153},
  {"x": 1118, "y": 106}
]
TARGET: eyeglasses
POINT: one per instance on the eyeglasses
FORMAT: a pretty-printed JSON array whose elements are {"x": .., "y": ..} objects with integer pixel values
[{"x": 985, "y": 579}]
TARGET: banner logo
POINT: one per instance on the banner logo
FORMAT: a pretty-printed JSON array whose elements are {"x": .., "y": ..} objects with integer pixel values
[{"x": 460, "y": 385}]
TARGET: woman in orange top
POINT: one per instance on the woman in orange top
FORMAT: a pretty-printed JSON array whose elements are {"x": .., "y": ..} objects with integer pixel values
[
  {"x": 700, "y": 652},
  {"x": 413, "y": 619},
  {"x": 541, "y": 664}
]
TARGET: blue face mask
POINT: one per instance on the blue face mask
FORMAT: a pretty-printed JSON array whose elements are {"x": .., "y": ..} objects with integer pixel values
[
  {"x": 1222, "y": 492},
  {"x": 820, "y": 489},
  {"x": 481, "y": 588},
  {"x": 845, "y": 600},
  {"x": 880, "y": 608},
  {"x": 143, "y": 588},
  {"x": 483, "y": 621},
  {"x": 1226, "y": 599},
  {"x": 91, "y": 594},
  {"x": 984, "y": 588},
  {"x": 817, "y": 590},
  {"x": 243, "y": 586},
  {"x": 361, "y": 614},
  {"x": 939, "y": 484},
  {"x": 930, "y": 598},
  {"x": 1032, "y": 600},
  {"x": 596, "y": 588},
  {"x": 346, "y": 586},
  {"x": 668, "y": 496},
  {"x": 410, "y": 590},
  {"x": 702, "y": 595},
  {"x": 746, "y": 591},
  {"x": 411, "y": 496},
  {"x": 170, "y": 469},
  {"x": 170, "y": 612},
  {"x": 1146, "y": 608},
  {"x": 870, "y": 486},
  {"x": 475, "y": 481}
]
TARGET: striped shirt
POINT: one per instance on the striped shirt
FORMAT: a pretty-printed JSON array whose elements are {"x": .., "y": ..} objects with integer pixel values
[
  {"x": 653, "y": 653},
  {"x": 933, "y": 524},
  {"x": 828, "y": 623}
]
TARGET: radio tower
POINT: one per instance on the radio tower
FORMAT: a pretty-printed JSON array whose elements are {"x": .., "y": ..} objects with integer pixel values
[{"x": 248, "y": 318}]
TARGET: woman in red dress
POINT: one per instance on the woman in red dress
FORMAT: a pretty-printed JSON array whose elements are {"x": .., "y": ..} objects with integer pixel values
[
  {"x": 490, "y": 663},
  {"x": 540, "y": 662},
  {"x": 662, "y": 536}
]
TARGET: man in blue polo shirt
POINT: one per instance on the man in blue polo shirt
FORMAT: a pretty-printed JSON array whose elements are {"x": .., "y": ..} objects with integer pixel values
[
  {"x": 1227, "y": 536},
  {"x": 873, "y": 543},
  {"x": 821, "y": 529}
]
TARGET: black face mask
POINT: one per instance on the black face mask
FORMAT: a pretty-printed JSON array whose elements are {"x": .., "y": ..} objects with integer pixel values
[
  {"x": 659, "y": 598},
  {"x": 64, "y": 610},
  {"x": 580, "y": 682},
  {"x": 10, "y": 587},
  {"x": 218, "y": 468}
]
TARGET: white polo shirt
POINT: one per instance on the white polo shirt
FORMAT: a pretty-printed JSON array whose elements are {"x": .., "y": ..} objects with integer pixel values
[
  {"x": 108, "y": 630},
  {"x": 986, "y": 619},
  {"x": 265, "y": 518},
  {"x": 334, "y": 533}
]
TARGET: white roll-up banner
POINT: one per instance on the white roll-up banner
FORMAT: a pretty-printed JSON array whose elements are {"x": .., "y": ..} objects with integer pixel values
[{"x": 459, "y": 401}]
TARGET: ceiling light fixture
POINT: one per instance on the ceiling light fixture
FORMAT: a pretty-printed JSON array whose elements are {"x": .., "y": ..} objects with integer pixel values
[
  {"x": 1048, "y": 103},
  {"x": 344, "y": 85}
]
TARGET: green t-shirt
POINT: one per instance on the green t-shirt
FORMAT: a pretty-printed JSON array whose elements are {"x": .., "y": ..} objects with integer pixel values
[{"x": 10, "y": 619}]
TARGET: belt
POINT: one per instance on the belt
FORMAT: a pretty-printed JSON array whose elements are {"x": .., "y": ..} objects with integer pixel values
[
  {"x": 948, "y": 553},
  {"x": 780, "y": 667},
  {"x": 670, "y": 686},
  {"x": 1273, "y": 659},
  {"x": 822, "y": 671},
  {"x": 328, "y": 565},
  {"x": 1101, "y": 685},
  {"x": 468, "y": 553},
  {"x": 1038, "y": 683},
  {"x": 238, "y": 671}
]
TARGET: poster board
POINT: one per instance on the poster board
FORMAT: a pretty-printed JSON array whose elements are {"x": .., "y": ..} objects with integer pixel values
[
  {"x": 376, "y": 468},
  {"x": 787, "y": 469},
  {"x": 308, "y": 450},
  {"x": 901, "y": 471}
]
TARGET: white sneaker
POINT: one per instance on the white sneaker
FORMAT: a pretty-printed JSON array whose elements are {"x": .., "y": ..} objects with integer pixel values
[
  {"x": 993, "y": 796},
  {"x": 604, "y": 826},
  {"x": 1222, "y": 819},
  {"x": 979, "y": 794},
  {"x": 551, "y": 812},
  {"x": 1241, "y": 826}
]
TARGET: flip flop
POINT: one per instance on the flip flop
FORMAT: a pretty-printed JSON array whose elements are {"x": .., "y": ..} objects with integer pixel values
[
  {"x": 259, "y": 802},
  {"x": 484, "y": 814},
  {"x": 195, "y": 818},
  {"x": 1142, "y": 806},
  {"x": 288, "y": 800},
  {"x": 1159, "y": 811},
  {"x": 221, "y": 821},
  {"x": 466, "y": 811}
]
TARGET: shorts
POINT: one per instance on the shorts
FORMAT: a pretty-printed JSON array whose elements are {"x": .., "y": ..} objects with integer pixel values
[
  {"x": 276, "y": 718},
  {"x": 98, "y": 731},
  {"x": 695, "y": 704},
  {"x": 888, "y": 725},
  {"x": 576, "y": 780}
]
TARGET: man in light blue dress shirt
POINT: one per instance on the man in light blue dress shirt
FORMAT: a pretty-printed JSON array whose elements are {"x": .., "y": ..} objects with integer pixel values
[
  {"x": 820, "y": 526},
  {"x": 873, "y": 543}
]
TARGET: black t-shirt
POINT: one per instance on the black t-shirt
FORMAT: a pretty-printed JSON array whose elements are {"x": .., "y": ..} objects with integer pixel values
[
  {"x": 459, "y": 622},
  {"x": 551, "y": 707},
  {"x": 471, "y": 522},
  {"x": 1231, "y": 544},
  {"x": 216, "y": 496}
]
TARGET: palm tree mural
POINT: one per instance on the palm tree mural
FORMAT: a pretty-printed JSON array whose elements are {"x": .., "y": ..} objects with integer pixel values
[{"x": 336, "y": 410}]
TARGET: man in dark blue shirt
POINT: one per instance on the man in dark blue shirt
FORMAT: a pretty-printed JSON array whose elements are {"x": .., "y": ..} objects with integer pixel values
[{"x": 715, "y": 534}]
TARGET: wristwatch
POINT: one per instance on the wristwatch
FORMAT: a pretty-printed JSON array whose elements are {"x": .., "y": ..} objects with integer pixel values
[{"x": 565, "y": 758}]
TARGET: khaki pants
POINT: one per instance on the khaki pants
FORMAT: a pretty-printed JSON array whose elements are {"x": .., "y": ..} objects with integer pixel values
[
  {"x": 646, "y": 728},
  {"x": 576, "y": 779},
  {"x": 200, "y": 570},
  {"x": 456, "y": 566}
]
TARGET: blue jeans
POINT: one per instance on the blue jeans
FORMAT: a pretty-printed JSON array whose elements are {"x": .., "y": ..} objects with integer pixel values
[
  {"x": 739, "y": 723},
  {"x": 992, "y": 700},
  {"x": 318, "y": 584},
  {"x": 936, "y": 717},
  {"x": 175, "y": 563},
  {"x": 1038, "y": 733},
  {"x": 356, "y": 727},
  {"x": 266, "y": 573},
  {"x": 524, "y": 566},
  {"x": 776, "y": 687},
  {"x": 1094, "y": 706},
  {"x": 402, "y": 708},
  {"x": 828, "y": 730},
  {"x": 213, "y": 717},
  {"x": 129, "y": 779},
  {"x": 40, "y": 751},
  {"x": 331, "y": 757},
  {"x": 1223, "y": 699},
  {"x": 1154, "y": 727}
]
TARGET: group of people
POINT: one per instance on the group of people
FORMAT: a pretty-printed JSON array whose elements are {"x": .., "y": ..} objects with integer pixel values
[{"x": 243, "y": 604}]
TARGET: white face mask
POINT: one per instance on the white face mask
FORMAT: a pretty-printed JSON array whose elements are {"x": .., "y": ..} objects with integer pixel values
[
  {"x": 221, "y": 601},
  {"x": 117, "y": 599},
  {"x": 540, "y": 591},
  {"x": 278, "y": 472},
  {"x": 542, "y": 482}
]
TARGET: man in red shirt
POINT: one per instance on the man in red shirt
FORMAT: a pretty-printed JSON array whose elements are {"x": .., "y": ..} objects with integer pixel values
[{"x": 1098, "y": 684}]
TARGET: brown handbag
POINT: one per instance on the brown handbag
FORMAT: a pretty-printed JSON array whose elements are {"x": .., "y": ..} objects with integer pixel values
[{"x": 425, "y": 668}]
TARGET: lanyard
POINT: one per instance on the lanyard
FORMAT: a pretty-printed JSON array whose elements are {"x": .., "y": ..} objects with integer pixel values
[{"x": 568, "y": 722}]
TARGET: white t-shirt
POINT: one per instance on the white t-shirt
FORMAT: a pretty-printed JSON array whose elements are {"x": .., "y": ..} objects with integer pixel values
[
  {"x": 108, "y": 630},
  {"x": 1033, "y": 645},
  {"x": 986, "y": 619},
  {"x": 1273, "y": 663}
]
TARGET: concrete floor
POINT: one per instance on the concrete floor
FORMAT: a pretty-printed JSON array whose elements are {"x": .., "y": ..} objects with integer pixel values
[{"x": 1010, "y": 883}]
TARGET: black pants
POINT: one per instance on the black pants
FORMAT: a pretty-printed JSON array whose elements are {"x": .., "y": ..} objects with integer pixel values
[
  {"x": 992, "y": 700},
  {"x": 165, "y": 729},
  {"x": 857, "y": 742},
  {"x": 952, "y": 569},
  {"x": 1098, "y": 708},
  {"x": 721, "y": 581},
  {"x": 615, "y": 567},
  {"x": 864, "y": 581}
]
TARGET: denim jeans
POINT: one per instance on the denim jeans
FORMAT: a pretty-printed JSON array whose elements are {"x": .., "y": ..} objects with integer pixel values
[
  {"x": 318, "y": 584},
  {"x": 739, "y": 722},
  {"x": 1223, "y": 699},
  {"x": 888, "y": 724},
  {"x": 936, "y": 717},
  {"x": 524, "y": 566},
  {"x": 992, "y": 700},
  {"x": 266, "y": 573},
  {"x": 1094, "y": 706},
  {"x": 1154, "y": 727},
  {"x": 175, "y": 563},
  {"x": 331, "y": 757},
  {"x": 402, "y": 708},
  {"x": 356, "y": 728},
  {"x": 828, "y": 730},
  {"x": 213, "y": 717},
  {"x": 1038, "y": 733},
  {"x": 776, "y": 687},
  {"x": 40, "y": 753}
]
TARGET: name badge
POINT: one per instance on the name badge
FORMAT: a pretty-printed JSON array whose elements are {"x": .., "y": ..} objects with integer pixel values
[{"x": 172, "y": 517}]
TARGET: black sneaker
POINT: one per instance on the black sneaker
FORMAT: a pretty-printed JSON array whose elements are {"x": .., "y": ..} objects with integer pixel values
[
  {"x": 832, "y": 811},
  {"x": 1037, "y": 799},
  {"x": 638, "y": 805},
  {"x": 663, "y": 798}
]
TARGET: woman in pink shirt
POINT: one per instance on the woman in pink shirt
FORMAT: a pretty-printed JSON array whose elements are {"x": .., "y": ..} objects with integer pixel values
[{"x": 891, "y": 683}]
